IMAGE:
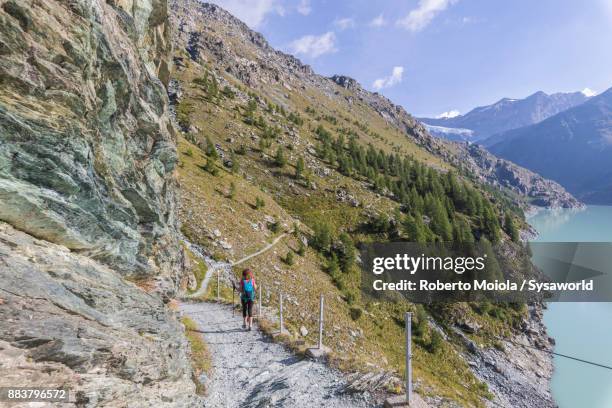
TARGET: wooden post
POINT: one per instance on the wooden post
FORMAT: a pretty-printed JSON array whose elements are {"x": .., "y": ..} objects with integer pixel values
[{"x": 259, "y": 306}]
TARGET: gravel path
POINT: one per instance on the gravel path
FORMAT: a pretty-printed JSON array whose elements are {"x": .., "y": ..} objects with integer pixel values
[
  {"x": 251, "y": 371},
  {"x": 213, "y": 266},
  {"x": 261, "y": 251}
]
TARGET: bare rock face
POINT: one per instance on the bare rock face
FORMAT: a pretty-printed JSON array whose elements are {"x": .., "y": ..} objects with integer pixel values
[
  {"x": 500, "y": 173},
  {"x": 70, "y": 322},
  {"x": 86, "y": 149},
  {"x": 87, "y": 202}
]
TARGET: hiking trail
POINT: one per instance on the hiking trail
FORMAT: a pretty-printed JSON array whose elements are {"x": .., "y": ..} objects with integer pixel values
[
  {"x": 249, "y": 370},
  {"x": 213, "y": 265}
]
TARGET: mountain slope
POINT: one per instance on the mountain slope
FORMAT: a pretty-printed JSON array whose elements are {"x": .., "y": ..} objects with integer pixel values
[
  {"x": 269, "y": 147},
  {"x": 573, "y": 148},
  {"x": 505, "y": 114}
]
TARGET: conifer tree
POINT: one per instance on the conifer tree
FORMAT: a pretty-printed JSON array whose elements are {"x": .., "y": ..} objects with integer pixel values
[
  {"x": 279, "y": 159},
  {"x": 510, "y": 228},
  {"x": 299, "y": 168}
]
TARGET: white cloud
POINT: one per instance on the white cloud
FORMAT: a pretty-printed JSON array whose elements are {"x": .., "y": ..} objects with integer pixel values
[
  {"x": 393, "y": 79},
  {"x": 344, "y": 23},
  {"x": 378, "y": 21},
  {"x": 421, "y": 16},
  {"x": 304, "y": 8},
  {"x": 315, "y": 45},
  {"x": 588, "y": 92},
  {"x": 252, "y": 12},
  {"x": 450, "y": 114}
]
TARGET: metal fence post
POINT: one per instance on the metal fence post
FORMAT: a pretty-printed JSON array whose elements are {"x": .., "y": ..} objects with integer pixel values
[
  {"x": 408, "y": 357},
  {"x": 259, "y": 308},
  {"x": 321, "y": 323},
  {"x": 281, "y": 313},
  {"x": 218, "y": 284}
]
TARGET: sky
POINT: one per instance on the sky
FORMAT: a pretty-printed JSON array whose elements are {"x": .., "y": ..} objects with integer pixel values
[{"x": 437, "y": 57}]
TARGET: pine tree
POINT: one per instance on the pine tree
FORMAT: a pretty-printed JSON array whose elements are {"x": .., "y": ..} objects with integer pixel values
[
  {"x": 211, "y": 167},
  {"x": 279, "y": 159},
  {"x": 211, "y": 150},
  {"x": 440, "y": 224},
  {"x": 347, "y": 254},
  {"x": 299, "y": 168},
  {"x": 510, "y": 228},
  {"x": 322, "y": 237},
  {"x": 490, "y": 223},
  {"x": 415, "y": 229},
  {"x": 492, "y": 269}
]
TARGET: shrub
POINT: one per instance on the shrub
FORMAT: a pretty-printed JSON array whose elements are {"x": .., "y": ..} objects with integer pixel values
[
  {"x": 435, "y": 342},
  {"x": 275, "y": 226},
  {"x": 356, "y": 313},
  {"x": 211, "y": 150},
  {"x": 232, "y": 190},
  {"x": 289, "y": 258},
  {"x": 301, "y": 249},
  {"x": 227, "y": 92},
  {"x": 211, "y": 167},
  {"x": 241, "y": 150},
  {"x": 259, "y": 203},
  {"x": 183, "y": 114}
]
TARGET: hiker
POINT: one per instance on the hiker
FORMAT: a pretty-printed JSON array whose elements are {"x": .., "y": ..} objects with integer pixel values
[{"x": 247, "y": 297}]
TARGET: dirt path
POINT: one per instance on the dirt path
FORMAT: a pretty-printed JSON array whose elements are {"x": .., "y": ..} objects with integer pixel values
[
  {"x": 251, "y": 371},
  {"x": 213, "y": 266},
  {"x": 261, "y": 251}
]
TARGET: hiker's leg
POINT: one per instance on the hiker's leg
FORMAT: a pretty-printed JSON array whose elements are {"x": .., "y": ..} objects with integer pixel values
[
  {"x": 250, "y": 309},
  {"x": 244, "y": 312}
]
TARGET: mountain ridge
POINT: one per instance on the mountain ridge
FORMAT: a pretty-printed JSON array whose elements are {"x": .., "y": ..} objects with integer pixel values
[
  {"x": 505, "y": 114},
  {"x": 573, "y": 147}
]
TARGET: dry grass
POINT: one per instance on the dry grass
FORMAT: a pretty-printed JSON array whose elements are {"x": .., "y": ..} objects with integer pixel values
[{"x": 200, "y": 356}]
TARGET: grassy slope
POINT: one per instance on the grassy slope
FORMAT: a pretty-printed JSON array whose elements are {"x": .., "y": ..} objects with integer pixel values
[{"x": 207, "y": 206}]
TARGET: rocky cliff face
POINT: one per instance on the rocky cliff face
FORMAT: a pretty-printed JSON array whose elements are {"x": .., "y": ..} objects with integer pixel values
[
  {"x": 87, "y": 152},
  {"x": 87, "y": 199},
  {"x": 70, "y": 322},
  {"x": 504, "y": 174}
]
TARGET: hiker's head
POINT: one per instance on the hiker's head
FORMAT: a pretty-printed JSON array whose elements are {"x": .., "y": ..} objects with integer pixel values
[{"x": 247, "y": 274}]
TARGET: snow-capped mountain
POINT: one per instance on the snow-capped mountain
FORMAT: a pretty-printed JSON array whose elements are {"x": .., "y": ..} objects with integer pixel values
[{"x": 505, "y": 114}]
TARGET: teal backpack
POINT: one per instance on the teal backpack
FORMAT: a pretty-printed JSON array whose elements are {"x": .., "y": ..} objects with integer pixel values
[{"x": 248, "y": 290}]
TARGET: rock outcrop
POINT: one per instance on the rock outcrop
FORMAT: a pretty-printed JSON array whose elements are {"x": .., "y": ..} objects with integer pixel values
[
  {"x": 70, "y": 322},
  {"x": 87, "y": 151},
  {"x": 504, "y": 174},
  {"x": 87, "y": 203}
]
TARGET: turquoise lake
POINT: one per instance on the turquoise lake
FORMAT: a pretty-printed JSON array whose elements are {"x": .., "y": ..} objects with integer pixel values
[{"x": 583, "y": 330}]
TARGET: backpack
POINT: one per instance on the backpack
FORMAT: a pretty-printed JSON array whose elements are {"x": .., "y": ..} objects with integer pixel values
[{"x": 248, "y": 289}]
